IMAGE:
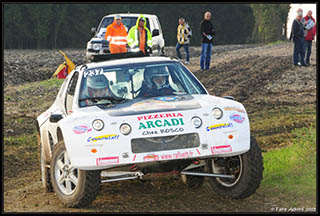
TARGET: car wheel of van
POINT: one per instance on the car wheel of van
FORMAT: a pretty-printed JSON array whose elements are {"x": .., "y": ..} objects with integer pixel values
[
  {"x": 246, "y": 168},
  {"x": 74, "y": 187},
  {"x": 162, "y": 50},
  {"x": 45, "y": 172},
  {"x": 193, "y": 181}
]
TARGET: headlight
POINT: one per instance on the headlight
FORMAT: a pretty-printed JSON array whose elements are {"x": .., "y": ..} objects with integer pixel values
[
  {"x": 97, "y": 124},
  {"x": 217, "y": 113},
  {"x": 125, "y": 129},
  {"x": 96, "y": 46},
  {"x": 196, "y": 121}
]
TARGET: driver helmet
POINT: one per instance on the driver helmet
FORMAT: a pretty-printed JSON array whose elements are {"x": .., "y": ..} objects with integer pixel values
[
  {"x": 157, "y": 77},
  {"x": 97, "y": 85}
]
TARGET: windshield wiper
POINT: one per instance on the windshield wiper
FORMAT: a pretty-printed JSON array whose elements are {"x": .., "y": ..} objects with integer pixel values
[
  {"x": 112, "y": 99},
  {"x": 180, "y": 93}
]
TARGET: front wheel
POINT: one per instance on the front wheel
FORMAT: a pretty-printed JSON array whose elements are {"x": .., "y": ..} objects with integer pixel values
[
  {"x": 247, "y": 170},
  {"x": 162, "y": 51},
  {"x": 74, "y": 187}
]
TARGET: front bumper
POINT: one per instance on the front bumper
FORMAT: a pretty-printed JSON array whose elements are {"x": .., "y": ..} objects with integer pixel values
[{"x": 172, "y": 140}]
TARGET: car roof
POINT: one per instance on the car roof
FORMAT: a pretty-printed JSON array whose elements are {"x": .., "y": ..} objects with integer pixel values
[
  {"x": 149, "y": 59},
  {"x": 130, "y": 15}
]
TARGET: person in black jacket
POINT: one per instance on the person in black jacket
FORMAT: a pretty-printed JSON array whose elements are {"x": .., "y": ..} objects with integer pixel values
[
  {"x": 297, "y": 34},
  {"x": 207, "y": 33}
]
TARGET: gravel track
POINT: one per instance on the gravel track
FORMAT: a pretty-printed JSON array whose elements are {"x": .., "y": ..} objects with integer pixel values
[{"x": 257, "y": 76}]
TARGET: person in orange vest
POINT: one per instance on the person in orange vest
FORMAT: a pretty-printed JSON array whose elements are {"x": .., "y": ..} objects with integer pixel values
[
  {"x": 116, "y": 35},
  {"x": 140, "y": 36}
]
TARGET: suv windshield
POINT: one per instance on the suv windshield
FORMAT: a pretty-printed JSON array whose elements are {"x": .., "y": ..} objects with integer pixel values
[
  {"x": 128, "y": 22},
  {"x": 111, "y": 85}
]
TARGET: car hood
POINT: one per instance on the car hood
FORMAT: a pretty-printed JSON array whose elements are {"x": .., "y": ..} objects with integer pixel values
[
  {"x": 165, "y": 104},
  {"x": 155, "y": 104}
]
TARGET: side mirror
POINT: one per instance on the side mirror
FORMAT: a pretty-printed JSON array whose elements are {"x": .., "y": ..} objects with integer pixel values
[
  {"x": 93, "y": 30},
  {"x": 54, "y": 118},
  {"x": 155, "y": 32},
  {"x": 229, "y": 97}
]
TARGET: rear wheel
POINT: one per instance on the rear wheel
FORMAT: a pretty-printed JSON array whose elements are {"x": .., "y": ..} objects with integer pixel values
[
  {"x": 247, "y": 170},
  {"x": 74, "y": 187}
]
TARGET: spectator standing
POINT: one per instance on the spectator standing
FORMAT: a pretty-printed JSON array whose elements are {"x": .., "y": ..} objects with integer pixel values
[
  {"x": 139, "y": 36},
  {"x": 311, "y": 32},
  {"x": 183, "y": 36},
  {"x": 207, "y": 33},
  {"x": 297, "y": 34},
  {"x": 116, "y": 35}
]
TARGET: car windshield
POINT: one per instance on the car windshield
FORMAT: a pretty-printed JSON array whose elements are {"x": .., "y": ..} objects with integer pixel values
[
  {"x": 128, "y": 23},
  {"x": 112, "y": 85}
]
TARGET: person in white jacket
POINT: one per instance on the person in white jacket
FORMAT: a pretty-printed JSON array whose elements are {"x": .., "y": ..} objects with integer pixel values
[{"x": 183, "y": 36}]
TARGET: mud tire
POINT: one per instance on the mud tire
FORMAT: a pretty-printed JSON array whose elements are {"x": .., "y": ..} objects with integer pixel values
[
  {"x": 86, "y": 189},
  {"x": 45, "y": 172},
  {"x": 250, "y": 179}
]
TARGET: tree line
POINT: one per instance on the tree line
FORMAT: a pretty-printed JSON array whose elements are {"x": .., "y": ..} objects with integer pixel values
[{"x": 54, "y": 26}]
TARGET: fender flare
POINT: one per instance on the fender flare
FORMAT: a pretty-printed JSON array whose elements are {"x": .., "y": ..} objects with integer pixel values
[{"x": 59, "y": 134}]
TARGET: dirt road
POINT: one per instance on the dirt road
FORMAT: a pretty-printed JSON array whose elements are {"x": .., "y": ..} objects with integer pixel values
[{"x": 260, "y": 77}]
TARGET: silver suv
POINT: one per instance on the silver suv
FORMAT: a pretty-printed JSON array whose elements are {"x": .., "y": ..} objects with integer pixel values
[{"x": 99, "y": 46}]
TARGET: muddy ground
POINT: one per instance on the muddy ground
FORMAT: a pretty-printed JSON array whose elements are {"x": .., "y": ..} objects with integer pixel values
[{"x": 261, "y": 77}]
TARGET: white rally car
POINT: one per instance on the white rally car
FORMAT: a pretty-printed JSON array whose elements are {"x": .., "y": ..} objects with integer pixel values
[{"x": 122, "y": 119}]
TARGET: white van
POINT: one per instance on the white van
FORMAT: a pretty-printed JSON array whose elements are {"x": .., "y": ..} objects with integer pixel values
[{"x": 99, "y": 46}]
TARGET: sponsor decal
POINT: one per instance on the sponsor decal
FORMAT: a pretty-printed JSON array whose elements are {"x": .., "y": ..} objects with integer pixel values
[
  {"x": 157, "y": 116},
  {"x": 144, "y": 133},
  {"x": 162, "y": 131},
  {"x": 171, "y": 130},
  {"x": 234, "y": 109},
  {"x": 107, "y": 160},
  {"x": 166, "y": 98},
  {"x": 80, "y": 129},
  {"x": 151, "y": 157},
  {"x": 219, "y": 126},
  {"x": 92, "y": 72},
  {"x": 177, "y": 155},
  {"x": 237, "y": 118},
  {"x": 103, "y": 138},
  {"x": 161, "y": 123},
  {"x": 198, "y": 152},
  {"x": 221, "y": 149},
  {"x": 46, "y": 114}
]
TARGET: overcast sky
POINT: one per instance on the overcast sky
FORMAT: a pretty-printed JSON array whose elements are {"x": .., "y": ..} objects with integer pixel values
[{"x": 292, "y": 13}]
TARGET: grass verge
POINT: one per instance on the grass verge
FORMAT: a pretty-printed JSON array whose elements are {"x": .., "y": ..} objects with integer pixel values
[
  {"x": 292, "y": 170},
  {"x": 277, "y": 42}
]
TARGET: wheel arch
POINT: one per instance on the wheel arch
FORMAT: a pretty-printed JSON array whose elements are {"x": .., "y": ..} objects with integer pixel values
[
  {"x": 43, "y": 140},
  {"x": 59, "y": 134}
]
